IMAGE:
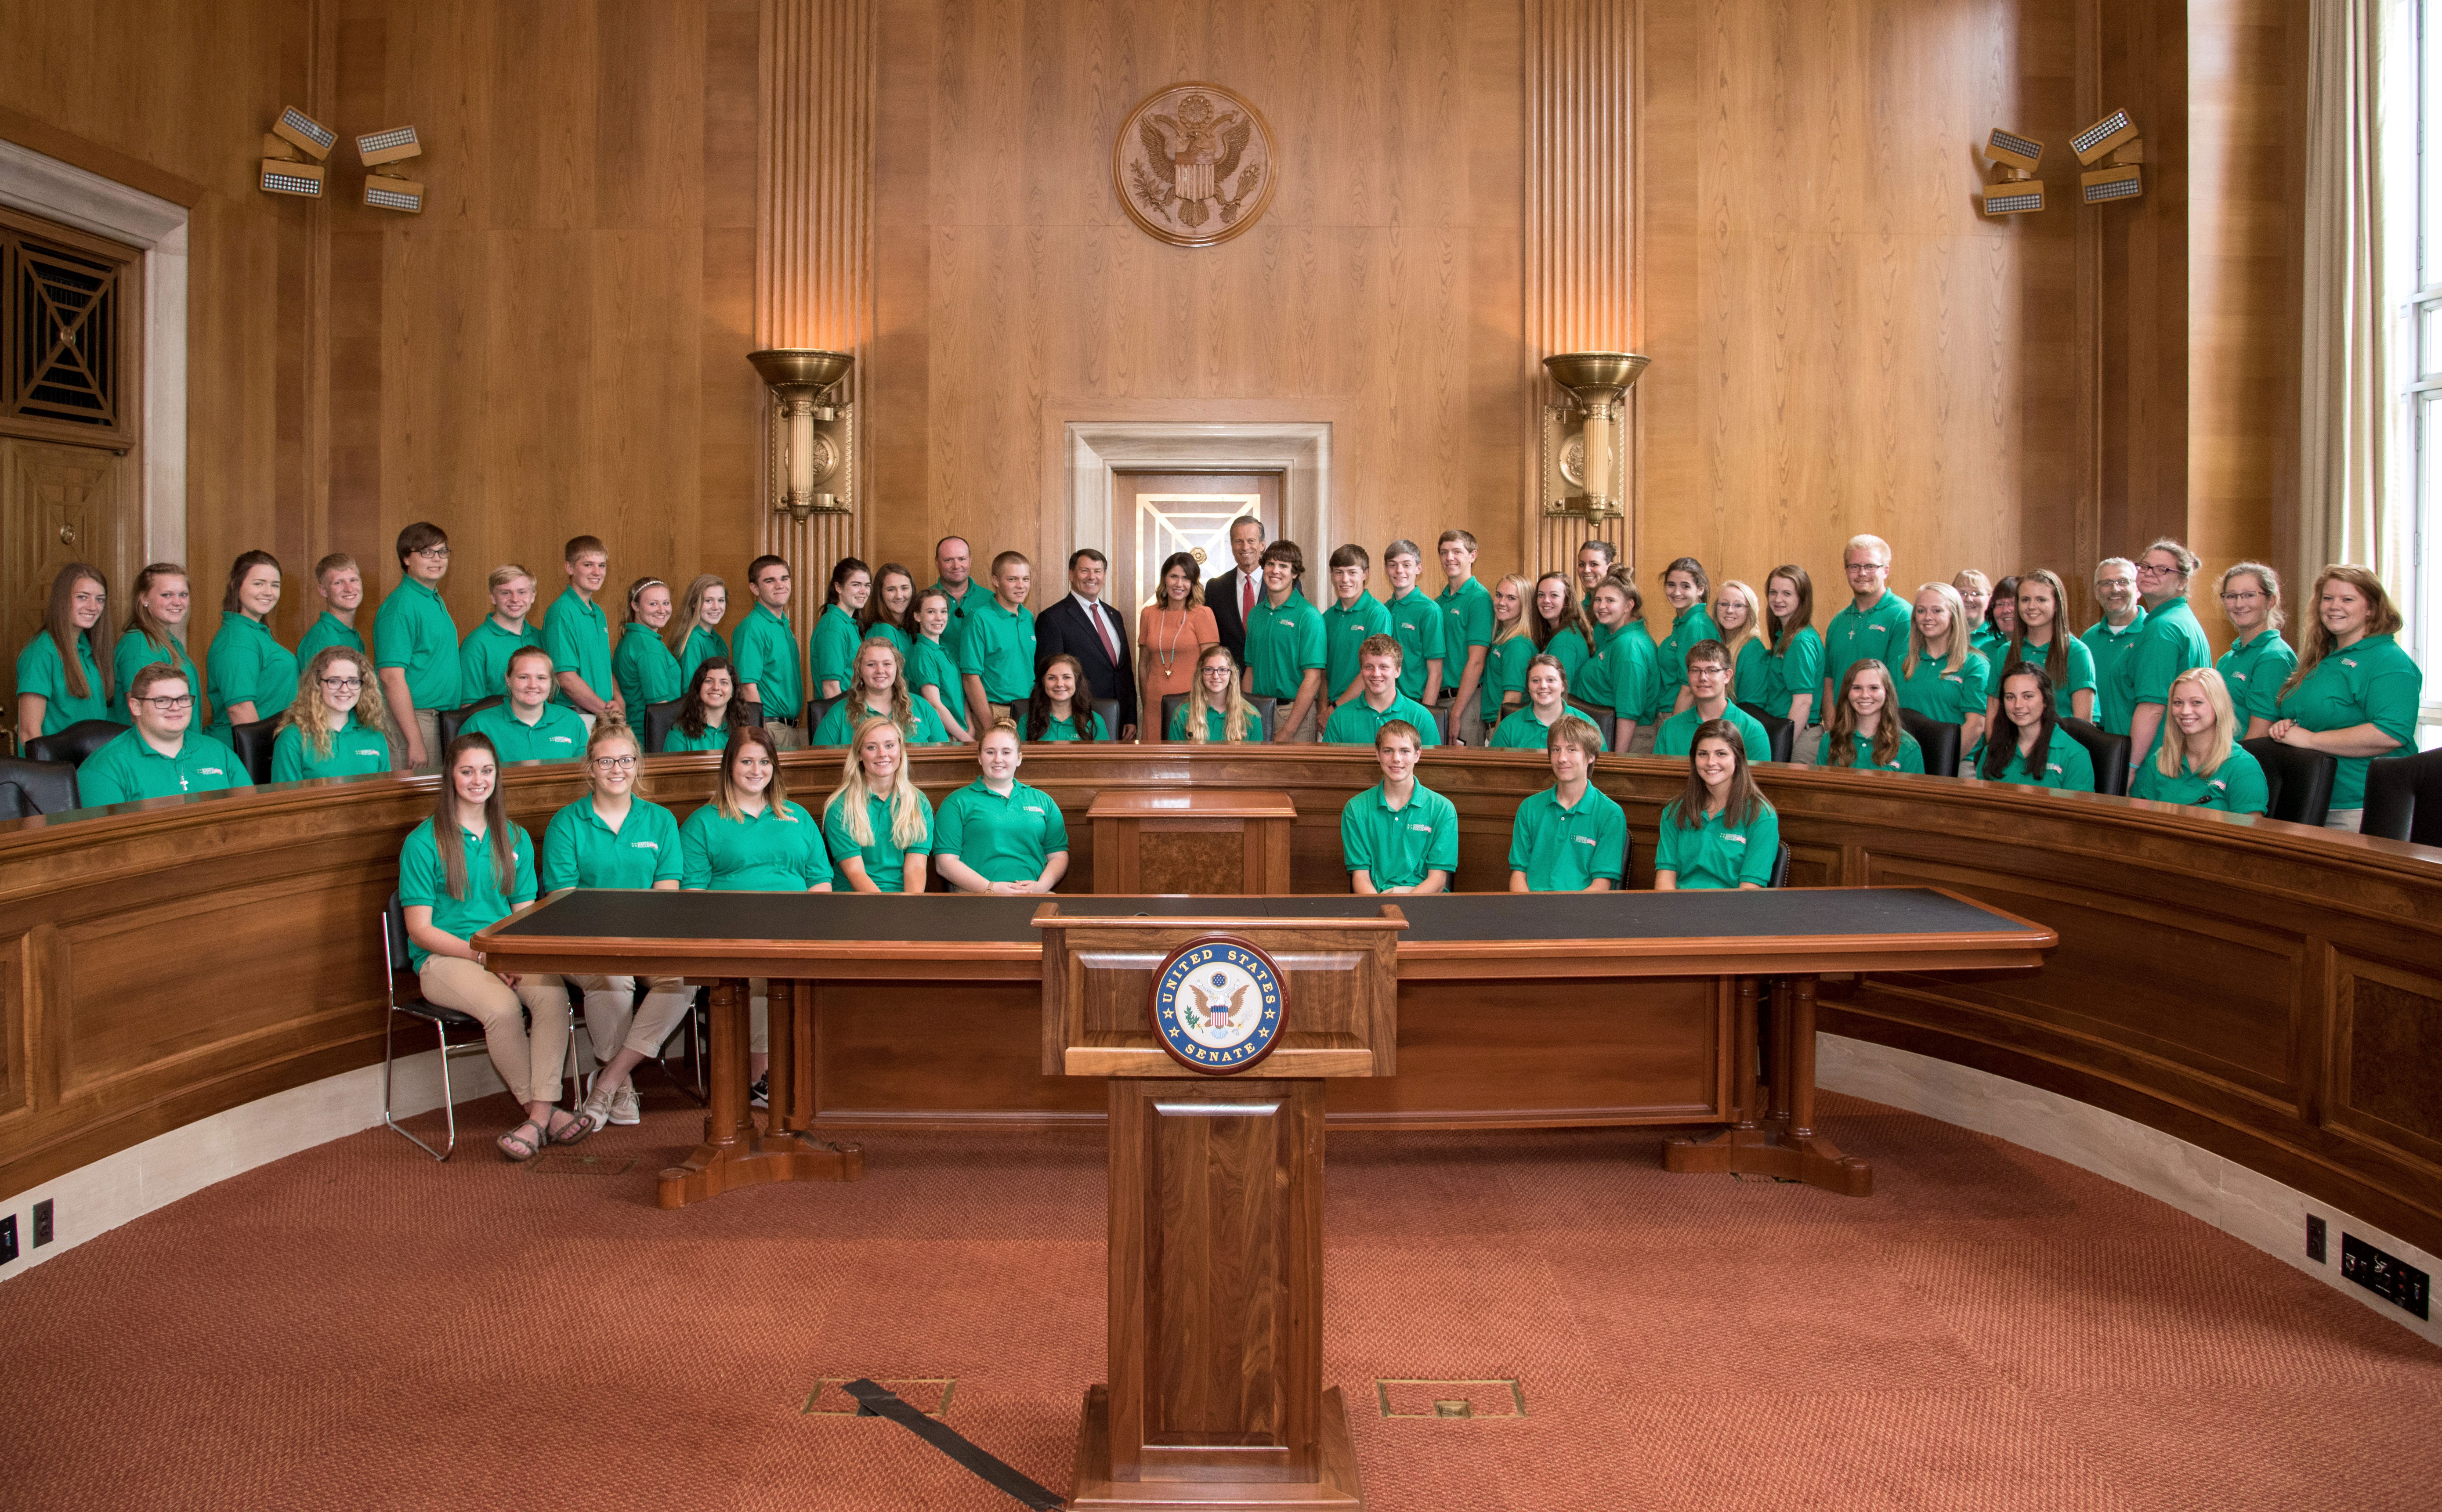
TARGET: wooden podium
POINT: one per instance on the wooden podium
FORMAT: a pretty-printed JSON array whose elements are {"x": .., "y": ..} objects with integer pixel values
[
  {"x": 1201, "y": 841},
  {"x": 1216, "y": 1398}
]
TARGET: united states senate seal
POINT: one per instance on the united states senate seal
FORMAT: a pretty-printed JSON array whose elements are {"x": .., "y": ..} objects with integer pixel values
[{"x": 1217, "y": 1004}]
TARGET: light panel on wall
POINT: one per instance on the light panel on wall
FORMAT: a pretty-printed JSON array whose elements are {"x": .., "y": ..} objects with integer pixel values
[
  {"x": 281, "y": 175},
  {"x": 394, "y": 145},
  {"x": 2103, "y": 136},
  {"x": 2112, "y": 143},
  {"x": 304, "y": 131},
  {"x": 384, "y": 193},
  {"x": 2018, "y": 190}
]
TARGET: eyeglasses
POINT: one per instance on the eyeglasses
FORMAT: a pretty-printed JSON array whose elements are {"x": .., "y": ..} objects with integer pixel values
[
  {"x": 624, "y": 763},
  {"x": 2249, "y": 596},
  {"x": 437, "y": 553},
  {"x": 343, "y": 684},
  {"x": 2143, "y": 568},
  {"x": 184, "y": 700},
  {"x": 2113, "y": 582}
]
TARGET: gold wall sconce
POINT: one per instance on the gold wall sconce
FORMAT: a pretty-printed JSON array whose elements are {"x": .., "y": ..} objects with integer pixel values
[
  {"x": 813, "y": 442},
  {"x": 1584, "y": 438}
]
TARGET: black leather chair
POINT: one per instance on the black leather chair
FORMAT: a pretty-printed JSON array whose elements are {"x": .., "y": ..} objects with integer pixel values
[
  {"x": 454, "y": 721},
  {"x": 30, "y": 787},
  {"x": 1442, "y": 722},
  {"x": 1781, "y": 858},
  {"x": 2299, "y": 780},
  {"x": 1606, "y": 722},
  {"x": 811, "y": 718},
  {"x": 2109, "y": 753},
  {"x": 2404, "y": 798},
  {"x": 253, "y": 743},
  {"x": 659, "y": 720},
  {"x": 1938, "y": 739},
  {"x": 73, "y": 744},
  {"x": 1781, "y": 733},
  {"x": 1265, "y": 709},
  {"x": 1107, "y": 708}
]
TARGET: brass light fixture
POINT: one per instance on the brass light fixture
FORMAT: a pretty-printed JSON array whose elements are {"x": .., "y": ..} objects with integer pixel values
[
  {"x": 812, "y": 450},
  {"x": 1582, "y": 440}
]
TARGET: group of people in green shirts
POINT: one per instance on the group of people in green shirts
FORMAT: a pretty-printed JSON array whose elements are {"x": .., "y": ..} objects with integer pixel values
[{"x": 1499, "y": 664}]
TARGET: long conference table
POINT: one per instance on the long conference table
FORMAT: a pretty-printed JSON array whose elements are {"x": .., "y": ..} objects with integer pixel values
[{"x": 1516, "y": 1010}]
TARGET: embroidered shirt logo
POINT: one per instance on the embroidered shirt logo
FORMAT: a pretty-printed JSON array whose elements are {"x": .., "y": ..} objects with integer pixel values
[{"x": 1422, "y": 828}]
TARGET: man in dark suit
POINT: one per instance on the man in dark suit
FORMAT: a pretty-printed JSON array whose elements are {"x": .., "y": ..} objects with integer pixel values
[
  {"x": 1084, "y": 627},
  {"x": 1229, "y": 595}
]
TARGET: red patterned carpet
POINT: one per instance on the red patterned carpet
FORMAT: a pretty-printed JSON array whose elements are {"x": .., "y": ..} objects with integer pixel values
[{"x": 358, "y": 1327}]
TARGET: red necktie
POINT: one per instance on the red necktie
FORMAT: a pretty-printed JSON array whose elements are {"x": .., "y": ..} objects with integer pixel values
[
  {"x": 1102, "y": 627},
  {"x": 1245, "y": 598}
]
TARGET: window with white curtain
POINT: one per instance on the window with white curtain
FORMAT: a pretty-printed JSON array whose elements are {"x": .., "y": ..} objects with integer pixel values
[{"x": 2412, "y": 212}]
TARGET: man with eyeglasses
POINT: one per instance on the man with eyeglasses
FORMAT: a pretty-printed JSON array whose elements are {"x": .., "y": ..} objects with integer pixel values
[
  {"x": 416, "y": 646},
  {"x": 163, "y": 754},
  {"x": 2111, "y": 638},
  {"x": 2171, "y": 643}
]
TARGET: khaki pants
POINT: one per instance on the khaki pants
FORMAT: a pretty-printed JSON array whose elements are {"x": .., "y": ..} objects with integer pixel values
[
  {"x": 1640, "y": 743},
  {"x": 427, "y": 724},
  {"x": 529, "y": 1062},
  {"x": 1307, "y": 732},
  {"x": 785, "y": 734},
  {"x": 1467, "y": 724},
  {"x": 615, "y": 1022},
  {"x": 2348, "y": 821},
  {"x": 1806, "y": 745}
]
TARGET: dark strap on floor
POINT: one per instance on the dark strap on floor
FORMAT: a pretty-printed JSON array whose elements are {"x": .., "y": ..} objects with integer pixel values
[{"x": 880, "y": 1402}]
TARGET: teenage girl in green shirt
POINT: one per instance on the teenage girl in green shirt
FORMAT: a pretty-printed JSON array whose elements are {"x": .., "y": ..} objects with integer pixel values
[
  {"x": 252, "y": 676},
  {"x": 1547, "y": 705},
  {"x": 695, "y": 631},
  {"x": 879, "y": 691},
  {"x": 2259, "y": 662},
  {"x": 1940, "y": 677},
  {"x": 1059, "y": 710},
  {"x": 709, "y": 711},
  {"x": 886, "y": 612},
  {"x": 933, "y": 670},
  {"x": 1865, "y": 732},
  {"x": 996, "y": 834},
  {"x": 1513, "y": 646},
  {"x": 1720, "y": 832},
  {"x": 831, "y": 649},
  {"x": 162, "y": 599},
  {"x": 1684, "y": 584},
  {"x": 878, "y": 826},
  {"x": 1215, "y": 711},
  {"x": 643, "y": 667},
  {"x": 338, "y": 726},
  {"x": 1558, "y": 626},
  {"x": 2039, "y": 636},
  {"x": 2355, "y": 694},
  {"x": 2199, "y": 761},
  {"x": 1782, "y": 670},
  {"x": 58, "y": 673},
  {"x": 2027, "y": 745}
]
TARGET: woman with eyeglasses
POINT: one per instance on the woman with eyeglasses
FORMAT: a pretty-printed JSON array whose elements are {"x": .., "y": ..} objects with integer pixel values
[
  {"x": 336, "y": 726},
  {"x": 2258, "y": 661},
  {"x": 1215, "y": 711},
  {"x": 251, "y": 676},
  {"x": 616, "y": 837},
  {"x": 463, "y": 870},
  {"x": 58, "y": 673}
]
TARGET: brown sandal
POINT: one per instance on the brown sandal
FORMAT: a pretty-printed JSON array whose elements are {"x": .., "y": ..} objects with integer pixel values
[
  {"x": 516, "y": 1147},
  {"x": 580, "y": 1127}
]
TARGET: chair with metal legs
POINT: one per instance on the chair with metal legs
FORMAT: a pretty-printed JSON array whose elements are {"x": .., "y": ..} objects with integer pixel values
[{"x": 414, "y": 1004}]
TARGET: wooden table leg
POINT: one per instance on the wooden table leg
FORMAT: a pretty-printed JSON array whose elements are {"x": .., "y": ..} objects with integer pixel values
[
  {"x": 1796, "y": 1153},
  {"x": 734, "y": 1153}
]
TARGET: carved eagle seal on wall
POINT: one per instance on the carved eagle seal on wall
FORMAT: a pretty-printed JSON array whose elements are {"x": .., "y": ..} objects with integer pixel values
[{"x": 1194, "y": 164}]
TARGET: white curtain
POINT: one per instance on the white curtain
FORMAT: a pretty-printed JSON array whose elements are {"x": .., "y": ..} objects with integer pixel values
[{"x": 2351, "y": 507}]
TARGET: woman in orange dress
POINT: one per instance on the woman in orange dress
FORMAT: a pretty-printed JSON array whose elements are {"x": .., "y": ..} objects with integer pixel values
[{"x": 1172, "y": 631}]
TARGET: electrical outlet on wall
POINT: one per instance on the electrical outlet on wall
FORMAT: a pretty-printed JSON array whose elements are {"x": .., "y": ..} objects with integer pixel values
[
  {"x": 8, "y": 1239},
  {"x": 2315, "y": 1245},
  {"x": 42, "y": 1226}
]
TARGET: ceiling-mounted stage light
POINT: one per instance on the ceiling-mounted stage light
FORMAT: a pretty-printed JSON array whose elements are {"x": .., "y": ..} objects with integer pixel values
[
  {"x": 304, "y": 132},
  {"x": 2113, "y": 142},
  {"x": 2018, "y": 190}
]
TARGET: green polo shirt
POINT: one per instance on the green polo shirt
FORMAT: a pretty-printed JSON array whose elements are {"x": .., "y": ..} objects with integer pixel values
[
  {"x": 1064, "y": 730},
  {"x": 1504, "y": 672},
  {"x": 325, "y": 632},
  {"x": 132, "y": 653},
  {"x": 1677, "y": 736},
  {"x": 1688, "y": 627},
  {"x": 1715, "y": 853},
  {"x": 2114, "y": 698},
  {"x": 1003, "y": 837},
  {"x": 898, "y": 638},
  {"x": 2078, "y": 661},
  {"x": 998, "y": 646},
  {"x": 1911, "y": 756},
  {"x": 414, "y": 632},
  {"x": 1573, "y": 651},
  {"x": 128, "y": 769},
  {"x": 2255, "y": 670},
  {"x": 701, "y": 646},
  {"x": 954, "y": 634},
  {"x": 1880, "y": 632},
  {"x": 1282, "y": 645},
  {"x": 2237, "y": 786},
  {"x": 1468, "y": 621},
  {"x": 1632, "y": 678},
  {"x": 423, "y": 884},
  {"x": 2370, "y": 682},
  {"x": 581, "y": 850},
  {"x": 558, "y": 736},
  {"x": 1397, "y": 846},
  {"x": 767, "y": 656},
  {"x": 2172, "y": 643},
  {"x": 484, "y": 656},
  {"x": 356, "y": 752},
  {"x": 248, "y": 664},
  {"x": 885, "y": 860},
  {"x": 715, "y": 738},
  {"x": 924, "y": 726},
  {"x": 1773, "y": 683},
  {"x": 645, "y": 670},
  {"x": 830, "y": 650},
  {"x": 1989, "y": 640},
  {"x": 1356, "y": 722},
  {"x": 1939, "y": 694},
  {"x": 577, "y": 636},
  {"x": 933, "y": 665},
  {"x": 2063, "y": 763},
  {"x": 1566, "y": 849},
  {"x": 761, "y": 852},
  {"x": 1423, "y": 634},
  {"x": 1345, "y": 630},
  {"x": 40, "y": 670},
  {"x": 1522, "y": 731},
  {"x": 1216, "y": 726}
]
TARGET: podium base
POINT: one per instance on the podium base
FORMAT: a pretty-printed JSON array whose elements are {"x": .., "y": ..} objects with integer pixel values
[
  {"x": 713, "y": 1169},
  {"x": 1092, "y": 1487}
]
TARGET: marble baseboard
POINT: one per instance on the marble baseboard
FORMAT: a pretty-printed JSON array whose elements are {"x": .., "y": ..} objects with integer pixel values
[{"x": 2245, "y": 1204}]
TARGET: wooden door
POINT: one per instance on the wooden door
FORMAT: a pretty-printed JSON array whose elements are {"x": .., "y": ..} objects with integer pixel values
[
  {"x": 1161, "y": 512},
  {"x": 58, "y": 505}
]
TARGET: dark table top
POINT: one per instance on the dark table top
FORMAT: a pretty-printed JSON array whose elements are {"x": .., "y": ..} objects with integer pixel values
[{"x": 1456, "y": 917}]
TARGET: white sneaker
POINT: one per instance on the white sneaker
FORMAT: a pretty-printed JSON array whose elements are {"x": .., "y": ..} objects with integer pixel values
[{"x": 623, "y": 1107}]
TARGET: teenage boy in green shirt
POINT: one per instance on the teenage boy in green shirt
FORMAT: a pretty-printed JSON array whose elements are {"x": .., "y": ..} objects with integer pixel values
[
  {"x": 1708, "y": 681},
  {"x": 483, "y": 655},
  {"x": 1378, "y": 701},
  {"x": 342, "y": 584},
  {"x": 527, "y": 726},
  {"x": 416, "y": 646},
  {"x": 162, "y": 754},
  {"x": 764, "y": 652},
  {"x": 1417, "y": 621},
  {"x": 1874, "y": 625},
  {"x": 996, "y": 648},
  {"x": 1467, "y": 632},
  {"x": 1398, "y": 836},
  {"x": 577, "y": 636},
  {"x": 1571, "y": 837},
  {"x": 1354, "y": 617},
  {"x": 1284, "y": 645}
]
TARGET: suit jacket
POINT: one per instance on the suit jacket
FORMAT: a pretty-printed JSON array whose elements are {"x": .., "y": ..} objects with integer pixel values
[
  {"x": 1063, "y": 629},
  {"x": 1221, "y": 597}
]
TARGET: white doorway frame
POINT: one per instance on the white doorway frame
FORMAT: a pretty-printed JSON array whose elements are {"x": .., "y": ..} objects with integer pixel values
[{"x": 1299, "y": 451}]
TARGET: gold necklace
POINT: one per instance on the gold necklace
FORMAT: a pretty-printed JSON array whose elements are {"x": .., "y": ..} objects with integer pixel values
[{"x": 1167, "y": 655}]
